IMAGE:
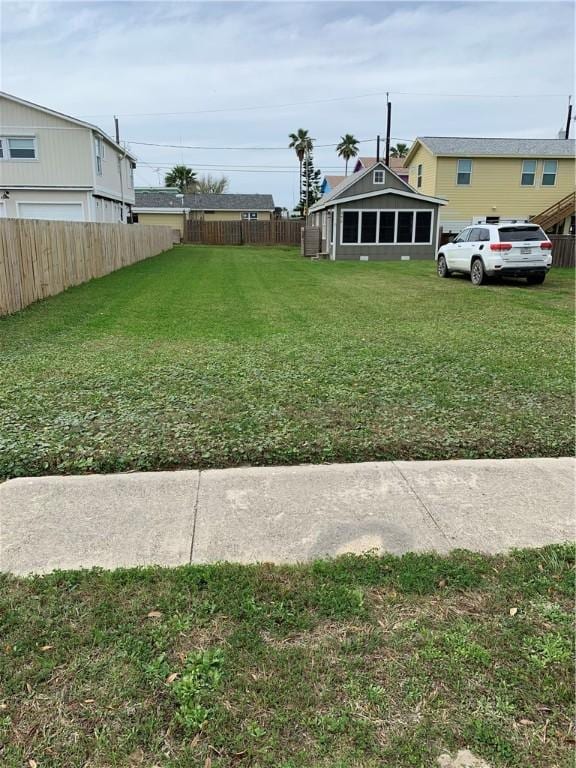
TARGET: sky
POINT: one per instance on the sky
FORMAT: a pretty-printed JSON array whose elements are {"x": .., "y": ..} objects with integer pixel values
[{"x": 213, "y": 75}]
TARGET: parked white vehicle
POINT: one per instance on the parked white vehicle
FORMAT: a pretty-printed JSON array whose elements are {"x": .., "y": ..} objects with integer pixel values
[{"x": 514, "y": 249}]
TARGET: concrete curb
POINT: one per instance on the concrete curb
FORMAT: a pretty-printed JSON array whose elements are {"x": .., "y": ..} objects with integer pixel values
[{"x": 283, "y": 514}]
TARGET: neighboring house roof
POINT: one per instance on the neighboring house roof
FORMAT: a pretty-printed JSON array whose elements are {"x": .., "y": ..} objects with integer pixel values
[
  {"x": 396, "y": 163},
  {"x": 330, "y": 198},
  {"x": 200, "y": 202},
  {"x": 333, "y": 181},
  {"x": 459, "y": 146},
  {"x": 74, "y": 120}
]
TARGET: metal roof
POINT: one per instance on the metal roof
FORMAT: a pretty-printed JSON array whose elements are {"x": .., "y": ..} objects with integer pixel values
[
  {"x": 200, "y": 202},
  {"x": 472, "y": 147}
]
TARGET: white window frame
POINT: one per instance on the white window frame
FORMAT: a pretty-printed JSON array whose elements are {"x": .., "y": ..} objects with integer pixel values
[
  {"x": 419, "y": 175},
  {"x": 458, "y": 172},
  {"x": 547, "y": 173},
  {"x": 250, "y": 215},
  {"x": 6, "y": 157},
  {"x": 529, "y": 160},
  {"x": 383, "y": 172},
  {"x": 99, "y": 154},
  {"x": 378, "y": 211}
]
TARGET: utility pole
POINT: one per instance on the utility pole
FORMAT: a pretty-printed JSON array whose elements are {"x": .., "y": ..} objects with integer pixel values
[
  {"x": 117, "y": 129},
  {"x": 388, "y": 120},
  {"x": 378, "y": 148},
  {"x": 307, "y": 174},
  {"x": 569, "y": 119}
]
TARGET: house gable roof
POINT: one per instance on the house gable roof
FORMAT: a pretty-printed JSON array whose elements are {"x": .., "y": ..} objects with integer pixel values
[
  {"x": 335, "y": 195},
  {"x": 62, "y": 116},
  {"x": 201, "y": 202},
  {"x": 460, "y": 146}
]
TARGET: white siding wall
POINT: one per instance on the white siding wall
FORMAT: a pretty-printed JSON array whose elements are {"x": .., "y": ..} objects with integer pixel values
[
  {"x": 63, "y": 149},
  {"x": 11, "y": 207},
  {"x": 109, "y": 183},
  {"x": 65, "y": 155}
]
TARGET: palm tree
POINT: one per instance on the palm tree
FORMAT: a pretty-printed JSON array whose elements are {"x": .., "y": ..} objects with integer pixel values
[
  {"x": 182, "y": 177},
  {"x": 301, "y": 143},
  {"x": 400, "y": 150},
  {"x": 348, "y": 148},
  {"x": 211, "y": 185}
]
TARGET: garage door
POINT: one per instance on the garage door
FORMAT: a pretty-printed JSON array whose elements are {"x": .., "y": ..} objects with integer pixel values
[{"x": 54, "y": 211}]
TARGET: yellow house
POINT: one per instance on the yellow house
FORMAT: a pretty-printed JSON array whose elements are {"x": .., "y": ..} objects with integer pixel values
[
  {"x": 165, "y": 207},
  {"x": 488, "y": 180}
]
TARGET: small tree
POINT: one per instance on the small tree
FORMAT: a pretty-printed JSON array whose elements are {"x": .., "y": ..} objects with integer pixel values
[
  {"x": 182, "y": 177},
  {"x": 348, "y": 148},
  {"x": 400, "y": 150},
  {"x": 310, "y": 183},
  {"x": 210, "y": 185}
]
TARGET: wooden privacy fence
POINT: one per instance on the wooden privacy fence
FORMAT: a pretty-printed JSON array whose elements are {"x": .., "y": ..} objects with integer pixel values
[
  {"x": 43, "y": 258},
  {"x": 275, "y": 232},
  {"x": 563, "y": 250}
]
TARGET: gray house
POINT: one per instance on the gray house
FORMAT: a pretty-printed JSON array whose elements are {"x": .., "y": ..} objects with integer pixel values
[{"x": 373, "y": 215}]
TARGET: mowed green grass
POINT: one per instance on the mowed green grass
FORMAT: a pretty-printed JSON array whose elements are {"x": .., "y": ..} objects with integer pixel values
[
  {"x": 209, "y": 356},
  {"x": 360, "y": 662}
]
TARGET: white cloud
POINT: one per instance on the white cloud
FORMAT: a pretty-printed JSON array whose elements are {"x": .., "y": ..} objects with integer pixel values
[{"x": 105, "y": 58}]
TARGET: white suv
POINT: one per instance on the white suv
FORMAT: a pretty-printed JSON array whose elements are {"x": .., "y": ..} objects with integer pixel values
[{"x": 515, "y": 249}]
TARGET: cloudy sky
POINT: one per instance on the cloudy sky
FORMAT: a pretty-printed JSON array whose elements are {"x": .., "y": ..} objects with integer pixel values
[{"x": 213, "y": 75}]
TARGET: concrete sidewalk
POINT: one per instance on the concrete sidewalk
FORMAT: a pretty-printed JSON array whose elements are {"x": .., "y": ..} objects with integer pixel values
[{"x": 283, "y": 514}]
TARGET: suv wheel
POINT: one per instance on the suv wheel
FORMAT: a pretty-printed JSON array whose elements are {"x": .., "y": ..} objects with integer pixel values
[
  {"x": 536, "y": 279},
  {"x": 477, "y": 274},
  {"x": 442, "y": 267}
]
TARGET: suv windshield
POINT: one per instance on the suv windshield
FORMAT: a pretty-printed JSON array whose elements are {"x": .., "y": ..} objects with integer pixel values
[{"x": 514, "y": 234}]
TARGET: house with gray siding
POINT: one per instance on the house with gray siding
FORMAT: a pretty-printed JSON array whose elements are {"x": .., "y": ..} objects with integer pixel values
[{"x": 373, "y": 215}]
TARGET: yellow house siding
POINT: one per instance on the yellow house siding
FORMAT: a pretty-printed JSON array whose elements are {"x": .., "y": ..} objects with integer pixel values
[
  {"x": 495, "y": 188},
  {"x": 426, "y": 158},
  {"x": 174, "y": 220},
  {"x": 230, "y": 215}
]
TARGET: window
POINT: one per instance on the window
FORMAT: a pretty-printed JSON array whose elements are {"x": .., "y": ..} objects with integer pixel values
[
  {"x": 386, "y": 232},
  {"x": 18, "y": 148},
  {"x": 492, "y": 219},
  {"x": 405, "y": 220},
  {"x": 99, "y": 153},
  {"x": 464, "y": 173},
  {"x": 517, "y": 234},
  {"x": 386, "y": 227},
  {"x": 419, "y": 175},
  {"x": 423, "y": 227},
  {"x": 462, "y": 237},
  {"x": 528, "y": 173},
  {"x": 549, "y": 169},
  {"x": 379, "y": 177},
  {"x": 483, "y": 235},
  {"x": 368, "y": 227},
  {"x": 350, "y": 220},
  {"x": 249, "y": 215}
]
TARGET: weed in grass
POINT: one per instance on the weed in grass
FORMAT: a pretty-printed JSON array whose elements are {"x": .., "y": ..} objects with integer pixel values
[
  {"x": 548, "y": 649},
  {"x": 195, "y": 688}
]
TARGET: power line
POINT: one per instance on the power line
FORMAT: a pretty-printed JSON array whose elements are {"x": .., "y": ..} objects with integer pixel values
[
  {"x": 237, "y": 149},
  {"x": 374, "y": 94}
]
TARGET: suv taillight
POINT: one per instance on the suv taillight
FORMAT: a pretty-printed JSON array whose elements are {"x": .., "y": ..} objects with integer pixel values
[
  {"x": 500, "y": 246},
  {"x": 546, "y": 245}
]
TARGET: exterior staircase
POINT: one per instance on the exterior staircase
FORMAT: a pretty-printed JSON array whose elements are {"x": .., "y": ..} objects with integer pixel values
[{"x": 556, "y": 213}]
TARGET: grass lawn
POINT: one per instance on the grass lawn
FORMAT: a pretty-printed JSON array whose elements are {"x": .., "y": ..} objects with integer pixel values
[
  {"x": 360, "y": 662},
  {"x": 209, "y": 356}
]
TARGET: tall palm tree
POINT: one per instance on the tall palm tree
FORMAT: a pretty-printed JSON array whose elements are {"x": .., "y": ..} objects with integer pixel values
[
  {"x": 182, "y": 177},
  {"x": 348, "y": 148},
  {"x": 400, "y": 150},
  {"x": 301, "y": 143}
]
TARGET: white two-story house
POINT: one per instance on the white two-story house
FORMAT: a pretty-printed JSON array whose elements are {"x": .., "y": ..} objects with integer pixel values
[{"x": 53, "y": 166}]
